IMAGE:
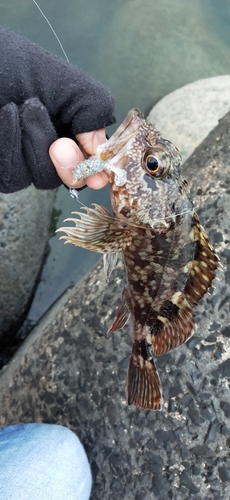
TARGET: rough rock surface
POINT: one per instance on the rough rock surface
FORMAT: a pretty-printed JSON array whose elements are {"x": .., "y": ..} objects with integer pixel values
[
  {"x": 24, "y": 228},
  {"x": 197, "y": 108},
  {"x": 68, "y": 373}
]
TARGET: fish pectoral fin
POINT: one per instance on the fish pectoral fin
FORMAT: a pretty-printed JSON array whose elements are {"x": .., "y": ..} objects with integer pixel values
[
  {"x": 122, "y": 314},
  {"x": 97, "y": 230},
  {"x": 173, "y": 326},
  {"x": 143, "y": 383}
]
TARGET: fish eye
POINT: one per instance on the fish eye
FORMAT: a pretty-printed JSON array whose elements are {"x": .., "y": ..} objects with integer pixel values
[
  {"x": 156, "y": 163},
  {"x": 152, "y": 164}
]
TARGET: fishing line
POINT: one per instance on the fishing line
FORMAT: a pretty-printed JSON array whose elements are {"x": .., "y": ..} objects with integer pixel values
[
  {"x": 73, "y": 193},
  {"x": 52, "y": 29}
]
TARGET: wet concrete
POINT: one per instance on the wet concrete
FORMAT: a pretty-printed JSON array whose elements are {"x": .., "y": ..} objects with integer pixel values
[{"x": 68, "y": 373}]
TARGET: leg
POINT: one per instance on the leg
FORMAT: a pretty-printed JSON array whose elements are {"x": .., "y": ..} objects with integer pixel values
[{"x": 41, "y": 462}]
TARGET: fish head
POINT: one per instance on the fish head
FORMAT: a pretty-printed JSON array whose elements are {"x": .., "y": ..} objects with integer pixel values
[{"x": 154, "y": 187}]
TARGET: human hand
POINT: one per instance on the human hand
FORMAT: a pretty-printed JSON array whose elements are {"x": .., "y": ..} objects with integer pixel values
[
  {"x": 65, "y": 155},
  {"x": 43, "y": 98}
]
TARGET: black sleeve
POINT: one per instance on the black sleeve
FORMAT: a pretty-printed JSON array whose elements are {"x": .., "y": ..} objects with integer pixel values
[{"x": 42, "y": 97}]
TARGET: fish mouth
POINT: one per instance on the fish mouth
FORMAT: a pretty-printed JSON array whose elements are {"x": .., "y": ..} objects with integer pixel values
[
  {"x": 111, "y": 154},
  {"x": 122, "y": 136}
]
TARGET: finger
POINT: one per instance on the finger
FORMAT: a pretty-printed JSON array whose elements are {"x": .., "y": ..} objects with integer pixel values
[
  {"x": 97, "y": 181},
  {"x": 90, "y": 140},
  {"x": 65, "y": 155}
]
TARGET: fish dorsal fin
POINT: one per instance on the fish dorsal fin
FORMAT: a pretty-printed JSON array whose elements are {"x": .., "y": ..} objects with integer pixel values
[
  {"x": 202, "y": 268},
  {"x": 122, "y": 314},
  {"x": 97, "y": 230}
]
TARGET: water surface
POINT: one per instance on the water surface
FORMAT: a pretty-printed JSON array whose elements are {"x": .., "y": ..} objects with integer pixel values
[{"x": 142, "y": 50}]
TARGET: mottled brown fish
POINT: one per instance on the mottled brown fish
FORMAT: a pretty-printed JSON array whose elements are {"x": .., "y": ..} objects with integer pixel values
[{"x": 168, "y": 259}]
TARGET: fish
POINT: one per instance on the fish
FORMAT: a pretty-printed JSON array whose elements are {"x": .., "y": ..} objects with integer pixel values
[{"x": 168, "y": 260}]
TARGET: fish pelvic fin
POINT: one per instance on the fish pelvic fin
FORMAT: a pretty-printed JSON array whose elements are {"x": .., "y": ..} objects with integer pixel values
[
  {"x": 97, "y": 230},
  {"x": 143, "y": 382},
  {"x": 122, "y": 314}
]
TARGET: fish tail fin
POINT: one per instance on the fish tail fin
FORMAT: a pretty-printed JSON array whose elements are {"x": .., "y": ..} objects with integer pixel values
[{"x": 143, "y": 383}]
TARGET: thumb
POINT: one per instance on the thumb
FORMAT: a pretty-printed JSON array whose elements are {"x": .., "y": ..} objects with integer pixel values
[{"x": 65, "y": 155}]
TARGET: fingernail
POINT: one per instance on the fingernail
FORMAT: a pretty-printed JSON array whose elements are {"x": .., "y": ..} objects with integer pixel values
[{"x": 66, "y": 158}]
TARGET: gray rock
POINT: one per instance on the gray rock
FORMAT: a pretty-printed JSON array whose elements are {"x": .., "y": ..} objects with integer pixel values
[
  {"x": 67, "y": 373},
  {"x": 224, "y": 473},
  {"x": 212, "y": 432},
  {"x": 187, "y": 115},
  {"x": 225, "y": 429},
  {"x": 225, "y": 406},
  {"x": 226, "y": 331},
  {"x": 186, "y": 481},
  {"x": 225, "y": 368},
  {"x": 24, "y": 228}
]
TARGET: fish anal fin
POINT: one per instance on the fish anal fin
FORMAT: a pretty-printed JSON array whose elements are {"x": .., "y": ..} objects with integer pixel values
[
  {"x": 143, "y": 382},
  {"x": 122, "y": 314},
  {"x": 173, "y": 326},
  {"x": 97, "y": 230},
  {"x": 202, "y": 268}
]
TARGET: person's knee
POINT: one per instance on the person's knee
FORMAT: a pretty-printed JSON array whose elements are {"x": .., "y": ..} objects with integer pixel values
[{"x": 49, "y": 458}]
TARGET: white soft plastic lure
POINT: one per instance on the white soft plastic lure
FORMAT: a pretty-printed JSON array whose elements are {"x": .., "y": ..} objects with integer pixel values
[{"x": 94, "y": 165}]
